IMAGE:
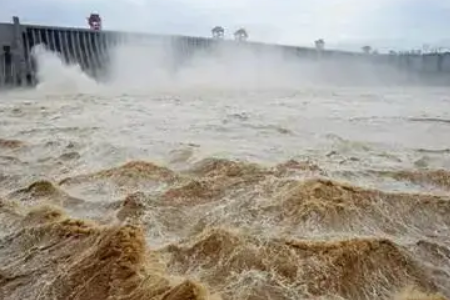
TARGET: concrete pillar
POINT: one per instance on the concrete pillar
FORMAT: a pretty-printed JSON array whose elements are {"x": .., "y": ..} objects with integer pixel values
[
  {"x": 96, "y": 40},
  {"x": 46, "y": 36},
  {"x": 95, "y": 47},
  {"x": 99, "y": 44},
  {"x": 65, "y": 46},
  {"x": 62, "y": 45},
  {"x": 18, "y": 51},
  {"x": 52, "y": 41},
  {"x": 76, "y": 42},
  {"x": 87, "y": 51},
  {"x": 29, "y": 72},
  {"x": 71, "y": 46}
]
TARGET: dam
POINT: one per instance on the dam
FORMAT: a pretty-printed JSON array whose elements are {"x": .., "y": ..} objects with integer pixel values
[{"x": 90, "y": 49}]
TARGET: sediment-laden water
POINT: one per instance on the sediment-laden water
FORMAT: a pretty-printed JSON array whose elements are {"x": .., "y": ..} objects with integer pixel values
[{"x": 314, "y": 192}]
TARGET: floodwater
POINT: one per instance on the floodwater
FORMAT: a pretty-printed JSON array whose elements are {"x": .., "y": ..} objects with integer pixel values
[{"x": 330, "y": 192}]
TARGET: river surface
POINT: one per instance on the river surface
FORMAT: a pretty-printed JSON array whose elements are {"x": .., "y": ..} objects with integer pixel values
[{"x": 288, "y": 193}]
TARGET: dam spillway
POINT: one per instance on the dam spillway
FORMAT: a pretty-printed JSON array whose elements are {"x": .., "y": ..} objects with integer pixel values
[
  {"x": 87, "y": 48},
  {"x": 91, "y": 50}
]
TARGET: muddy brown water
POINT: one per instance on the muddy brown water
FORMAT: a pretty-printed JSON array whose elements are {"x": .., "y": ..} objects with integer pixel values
[{"x": 186, "y": 194}]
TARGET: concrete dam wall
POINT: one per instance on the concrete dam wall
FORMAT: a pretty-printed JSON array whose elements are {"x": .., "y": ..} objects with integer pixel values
[{"x": 91, "y": 50}]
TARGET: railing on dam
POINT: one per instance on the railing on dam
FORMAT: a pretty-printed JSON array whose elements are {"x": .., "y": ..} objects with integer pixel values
[{"x": 91, "y": 50}]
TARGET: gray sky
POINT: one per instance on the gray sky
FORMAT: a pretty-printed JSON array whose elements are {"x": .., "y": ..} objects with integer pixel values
[{"x": 385, "y": 24}]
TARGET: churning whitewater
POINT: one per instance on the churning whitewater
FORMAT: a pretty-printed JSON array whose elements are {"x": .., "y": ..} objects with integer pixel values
[{"x": 250, "y": 179}]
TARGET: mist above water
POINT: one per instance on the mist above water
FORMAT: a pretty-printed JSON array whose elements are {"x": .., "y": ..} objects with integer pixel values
[
  {"x": 157, "y": 65},
  {"x": 54, "y": 74}
]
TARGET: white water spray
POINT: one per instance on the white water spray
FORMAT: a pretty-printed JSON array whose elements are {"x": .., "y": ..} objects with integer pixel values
[
  {"x": 159, "y": 66},
  {"x": 53, "y": 74}
]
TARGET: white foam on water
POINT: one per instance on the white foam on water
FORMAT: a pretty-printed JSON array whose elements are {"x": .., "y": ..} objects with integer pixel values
[{"x": 54, "y": 75}]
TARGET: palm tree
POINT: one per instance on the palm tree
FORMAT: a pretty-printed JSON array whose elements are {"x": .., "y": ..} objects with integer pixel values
[
  {"x": 241, "y": 35},
  {"x": 218, "y": 32}
]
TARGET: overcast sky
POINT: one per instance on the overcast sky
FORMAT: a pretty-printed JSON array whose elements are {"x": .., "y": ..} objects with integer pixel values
[{"x": 385, "y": 24}]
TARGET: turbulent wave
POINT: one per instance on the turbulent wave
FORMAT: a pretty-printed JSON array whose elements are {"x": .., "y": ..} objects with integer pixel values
[{"x": 222, "y": 229}]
